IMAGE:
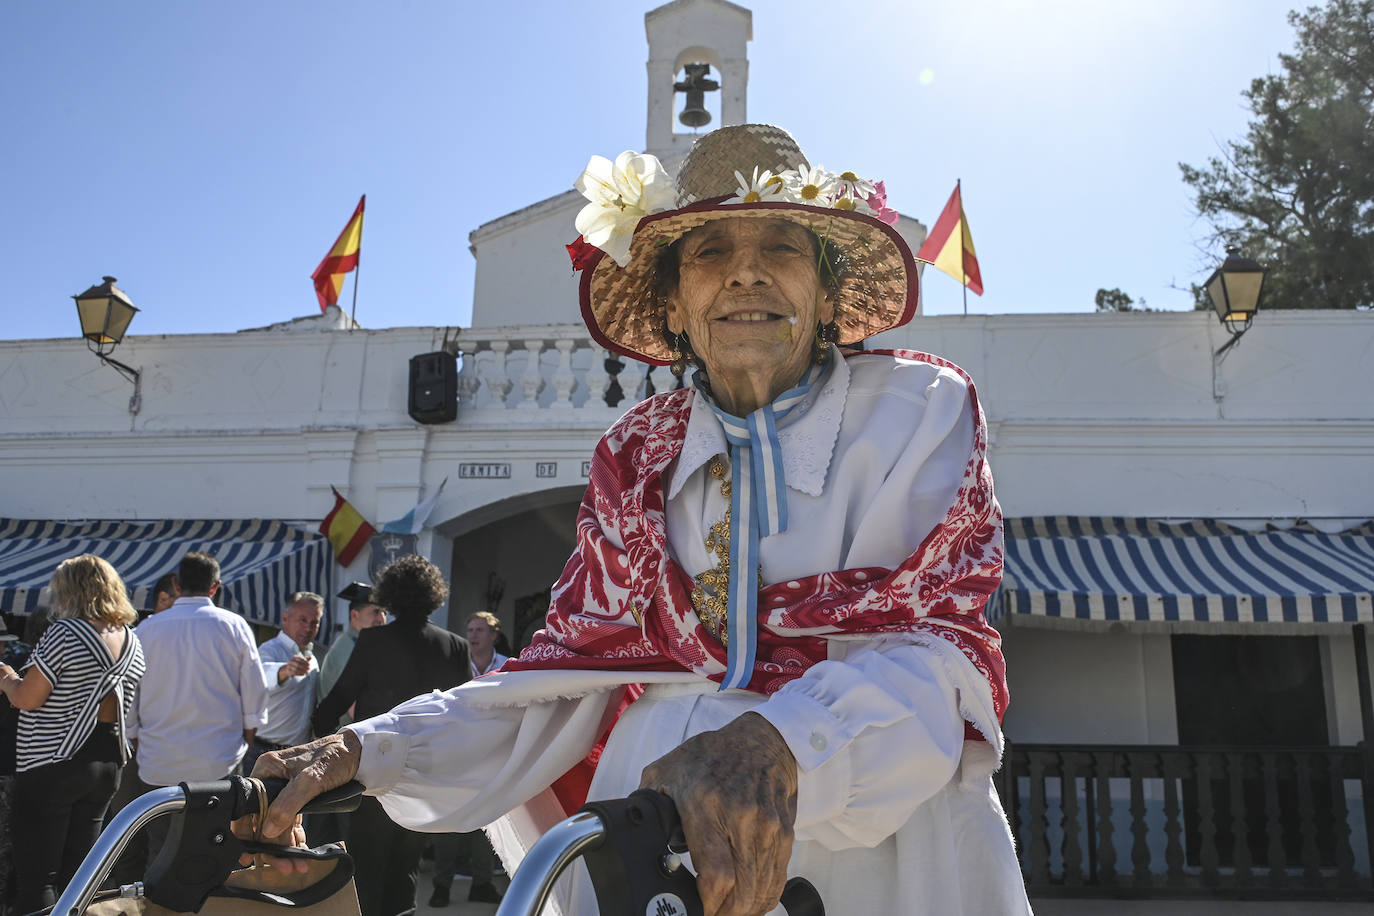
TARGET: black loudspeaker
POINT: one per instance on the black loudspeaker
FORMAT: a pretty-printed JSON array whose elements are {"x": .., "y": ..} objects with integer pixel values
[{"x": 434, "y": 387}]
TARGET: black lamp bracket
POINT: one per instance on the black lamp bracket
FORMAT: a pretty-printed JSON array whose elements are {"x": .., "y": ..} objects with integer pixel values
[{"x": 129, "y": 372}]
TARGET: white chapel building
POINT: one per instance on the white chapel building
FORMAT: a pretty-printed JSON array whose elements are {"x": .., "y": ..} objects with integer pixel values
[{"x": 1190, "y": 551}]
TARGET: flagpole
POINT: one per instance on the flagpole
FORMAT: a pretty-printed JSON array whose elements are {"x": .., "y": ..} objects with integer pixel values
[
  {"x": 357, "y": 269},
  {"x": 963, "y": 276}
]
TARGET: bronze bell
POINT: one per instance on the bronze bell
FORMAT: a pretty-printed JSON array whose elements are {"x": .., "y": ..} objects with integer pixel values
[{"x": 696, "y": 85}]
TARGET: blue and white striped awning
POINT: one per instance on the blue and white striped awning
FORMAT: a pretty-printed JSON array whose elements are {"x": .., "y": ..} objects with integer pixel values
[
  {"x": 261, "y": 562},
  {"x": 1185, "y": 574}
]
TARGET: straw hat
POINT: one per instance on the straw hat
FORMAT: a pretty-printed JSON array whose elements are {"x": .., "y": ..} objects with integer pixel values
[{"x": 751, "y": 171}]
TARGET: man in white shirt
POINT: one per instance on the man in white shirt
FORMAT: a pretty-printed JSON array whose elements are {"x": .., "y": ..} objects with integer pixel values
[
  {"x": 291, "y": 672},
  {"x": 203, "y": 697}
]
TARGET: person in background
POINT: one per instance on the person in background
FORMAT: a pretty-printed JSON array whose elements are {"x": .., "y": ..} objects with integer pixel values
[
  {"x": 203, "y": 698},
  {"x": 74, "y": 700},
  {"x": 165, "y": 592},
  {"x": 483, "y": 630},
  {"x": 471, "y": 849},
  {"x": 406, "y": 658},
  {"x": 290, "y": 671},
  {"x": 362, "y": 614}
]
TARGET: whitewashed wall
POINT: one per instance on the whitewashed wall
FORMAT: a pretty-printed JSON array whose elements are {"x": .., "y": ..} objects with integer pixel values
[
  {"x": 524, "y": 275},
  {"x": 1090, "y": 414}
]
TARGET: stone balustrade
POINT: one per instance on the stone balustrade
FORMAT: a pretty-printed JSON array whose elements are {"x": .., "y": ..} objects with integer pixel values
[{"x": 512, "y": 371}]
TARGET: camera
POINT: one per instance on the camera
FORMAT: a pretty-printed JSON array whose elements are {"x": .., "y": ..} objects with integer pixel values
[{"x": 16, "y": 654}]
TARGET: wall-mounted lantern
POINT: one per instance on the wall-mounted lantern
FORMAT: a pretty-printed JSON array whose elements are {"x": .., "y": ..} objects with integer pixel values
[
  {"x": 105, "y": 312},
  {"x": 1235, "y": 288}
]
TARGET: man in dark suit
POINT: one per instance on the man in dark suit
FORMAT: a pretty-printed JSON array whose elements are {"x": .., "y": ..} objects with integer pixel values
[{"x": 392, "y": 663}]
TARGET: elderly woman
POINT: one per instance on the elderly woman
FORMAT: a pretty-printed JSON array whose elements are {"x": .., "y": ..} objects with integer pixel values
[
  {"x": 74, "y": 699},
  {"x": 791, "y": 555}
]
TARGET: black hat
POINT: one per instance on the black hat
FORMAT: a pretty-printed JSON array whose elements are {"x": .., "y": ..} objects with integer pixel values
[{"x": 356, "y": 593}]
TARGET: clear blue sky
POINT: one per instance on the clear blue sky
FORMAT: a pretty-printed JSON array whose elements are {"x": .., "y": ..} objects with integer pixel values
[{"x": 207, "y": 154}]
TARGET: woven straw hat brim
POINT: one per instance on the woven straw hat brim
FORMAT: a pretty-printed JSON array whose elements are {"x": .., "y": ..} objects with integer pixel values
[{"x": 879, "y": 292}]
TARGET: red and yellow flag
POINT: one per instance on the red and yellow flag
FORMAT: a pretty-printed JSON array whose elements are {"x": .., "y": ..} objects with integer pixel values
[
  {"x": 346, "y": 529},
  {"x": 949, "y": 247},
  {"x": 342, "y": 258}
]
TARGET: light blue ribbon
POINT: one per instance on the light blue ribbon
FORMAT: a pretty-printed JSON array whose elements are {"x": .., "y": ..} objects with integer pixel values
[{"x": 758, "y": 508}]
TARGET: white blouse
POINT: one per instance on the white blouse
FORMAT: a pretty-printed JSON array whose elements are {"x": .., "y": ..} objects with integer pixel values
[{"x": 872, "y": 462}]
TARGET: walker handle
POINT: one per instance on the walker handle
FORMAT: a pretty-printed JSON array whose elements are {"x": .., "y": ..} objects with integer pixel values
[{"x": 633, "y": 849}]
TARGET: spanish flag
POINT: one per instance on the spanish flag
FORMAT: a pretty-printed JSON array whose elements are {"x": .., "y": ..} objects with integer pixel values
[
  {"x": 346, "y": 529},
  {"x": 949, "y": 247},
  {"x": 342, "y": 258}
]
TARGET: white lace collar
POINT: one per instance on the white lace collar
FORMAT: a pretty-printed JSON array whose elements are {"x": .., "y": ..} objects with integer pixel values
[{"x": 808, "y": 438}]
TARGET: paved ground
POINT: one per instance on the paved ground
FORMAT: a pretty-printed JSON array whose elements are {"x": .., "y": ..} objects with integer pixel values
[{"x": 458, "y": 895}]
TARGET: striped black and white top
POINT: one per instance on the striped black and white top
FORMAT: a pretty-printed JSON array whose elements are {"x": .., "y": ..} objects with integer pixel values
[{"x": 82, "y": 671}]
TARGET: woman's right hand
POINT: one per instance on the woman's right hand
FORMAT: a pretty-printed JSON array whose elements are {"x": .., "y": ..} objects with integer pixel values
[{"x": 311, "y": 769}]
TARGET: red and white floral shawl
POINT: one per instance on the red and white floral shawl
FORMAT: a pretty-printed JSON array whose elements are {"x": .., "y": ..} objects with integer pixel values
[{"x": 623, "y": 603}]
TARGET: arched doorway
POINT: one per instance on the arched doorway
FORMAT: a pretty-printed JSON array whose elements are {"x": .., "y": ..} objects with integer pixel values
[{"x": 507, "y": 554}]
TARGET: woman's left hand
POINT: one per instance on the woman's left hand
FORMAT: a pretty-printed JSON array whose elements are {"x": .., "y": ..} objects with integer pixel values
[{"x": 736, "y": 791}]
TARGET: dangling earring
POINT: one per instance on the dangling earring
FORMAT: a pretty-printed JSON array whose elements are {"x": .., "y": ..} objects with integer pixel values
[
  {"x": 826, "y": 334},
  {"x": 679, "y": 364}
]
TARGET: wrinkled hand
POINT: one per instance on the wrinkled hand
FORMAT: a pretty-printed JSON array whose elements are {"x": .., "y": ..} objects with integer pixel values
[
  {"x": 312, "y": 769},
  {"x": 736, "y": 791}
]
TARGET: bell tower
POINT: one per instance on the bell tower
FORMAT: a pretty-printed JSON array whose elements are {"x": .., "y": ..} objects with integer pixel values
[{"x": 698, "y": 72}]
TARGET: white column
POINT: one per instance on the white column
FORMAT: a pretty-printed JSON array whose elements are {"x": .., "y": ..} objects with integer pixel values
[
  {"x": 662, "y": 377},
  {"x": 632, "y": 380},
  {"x": 531, "y": 382},
  {"x": 597, "y": 379},
  {"x": 563, "y": 380},
  {"x": 498, "y": 383}
]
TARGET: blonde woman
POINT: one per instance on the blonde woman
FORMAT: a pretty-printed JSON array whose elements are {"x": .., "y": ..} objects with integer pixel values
[{"x": 74, "y": 698}]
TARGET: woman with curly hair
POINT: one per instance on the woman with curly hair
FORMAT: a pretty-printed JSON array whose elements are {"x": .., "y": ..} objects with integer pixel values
[
  {"x": 390, "y": 664},
  {"x": 73, "y": 700}
]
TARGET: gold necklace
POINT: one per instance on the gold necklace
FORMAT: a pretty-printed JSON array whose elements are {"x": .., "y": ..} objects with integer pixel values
[{"x": 710, "y": 596}]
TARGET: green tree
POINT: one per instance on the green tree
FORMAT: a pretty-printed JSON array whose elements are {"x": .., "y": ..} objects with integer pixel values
[
  {"x": 1114, "y": 300},
  {"x": 1297, "y": 194}
]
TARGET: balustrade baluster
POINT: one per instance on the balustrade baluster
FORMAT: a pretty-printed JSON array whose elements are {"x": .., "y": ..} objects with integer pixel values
[
  {"x": 632, "y": 380},
  {"x": 468, "y": 382},
  {"x": 597, "y": 378},
  {"x": 1173, "y": 820},
  {"x": 1140, "y": 847},
  {"x": 1240, "y": 819},
  {"x": 1278, "y": 860},
  {"x": 1340, "y": 824},
  {"x": 661, "y": 378},
  {"x": 563, "y": 379},
  {"x": 1039, "y": 841},
  {"x": 531, "y": 380},
  {"x": 497, "y": 381},
  {"x": 1307, "y": 820},
  {"x": 1106, "y": 842},
  {"x": 615, "y": 392},
  {"x": 1207, "y": 822},
  {"x": 1068, "y": 804}
]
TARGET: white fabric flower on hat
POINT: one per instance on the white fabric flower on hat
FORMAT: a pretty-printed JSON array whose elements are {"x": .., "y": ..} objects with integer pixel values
[
  {"x": 763, "y": 186},
  {"x": 621, "y": 194}
]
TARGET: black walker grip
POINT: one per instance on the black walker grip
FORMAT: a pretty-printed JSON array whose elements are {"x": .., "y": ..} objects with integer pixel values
[
  {"x": 200, "y": 850},
  {"x": 627, "y": 864}
]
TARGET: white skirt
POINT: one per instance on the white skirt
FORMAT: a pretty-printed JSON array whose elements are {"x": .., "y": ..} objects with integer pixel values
[{"x": 953, "y": 857}]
